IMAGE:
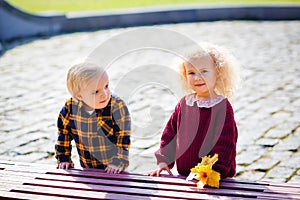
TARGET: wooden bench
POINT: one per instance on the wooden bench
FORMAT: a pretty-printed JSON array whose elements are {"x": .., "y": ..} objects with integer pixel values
[{"x": 38, "y": 181}]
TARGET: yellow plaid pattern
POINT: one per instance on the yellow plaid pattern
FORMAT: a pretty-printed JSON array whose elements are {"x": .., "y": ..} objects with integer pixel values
[{"x": 101, "y": 138}]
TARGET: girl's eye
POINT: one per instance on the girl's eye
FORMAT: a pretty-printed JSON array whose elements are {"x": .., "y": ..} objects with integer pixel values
[
  {"x": 106, "y": 86},
  {"x": 191, "y": 73},
  {"x": 204, "y": 71}
]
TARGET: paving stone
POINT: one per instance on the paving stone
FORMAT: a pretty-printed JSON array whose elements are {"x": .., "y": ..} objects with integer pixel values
[
  {"x": 282, "y": 156},
  {"x": 282, "y": 115},
  {"x": 294, "y": 103},
  {"x": 293, "y": 161},
  {"x": 144, "y": 144},
  {"x": 277, "y": 133},
  {"x": 48, "y": 161},
  {"x": 251, "y": 154},
  {"x": 39, "y": 145},
  {"x": 251, "y": 175},
  {"x": 295, "y": 179},
  {"x": 241, "y": 147},
  {"x": 32, "y": 157},
  {"x": 275, "y": 180},
  {"x": 142, "y": 164},
  {"x": 263, "y": 164},
  {"x": 290, "y": 124},
  {"x": 248, "y": 136},
  {"x": 150, "y": 151},
  {"x": 267, "y": 142},
  {"x": 280, "y": 173},
  {"x": 297, "y": 132},
  {"x": 33, "y": 92},
  {"x": 271, "y": 107},
  {"x": 291, "y": 143},
  {"x": 240, "y": 169}
]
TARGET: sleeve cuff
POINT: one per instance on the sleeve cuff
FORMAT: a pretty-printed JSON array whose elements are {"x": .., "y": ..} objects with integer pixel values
[
  {"x": 118, "y": 162},
  {"x": 64, "y": 159}
]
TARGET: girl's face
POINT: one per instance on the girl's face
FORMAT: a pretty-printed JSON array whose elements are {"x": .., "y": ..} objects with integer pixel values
[
  {"x": 202, "y": 76},
  {"x": 96, "y": 94}
]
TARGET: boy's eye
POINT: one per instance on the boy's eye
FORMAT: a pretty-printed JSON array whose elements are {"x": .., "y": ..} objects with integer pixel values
[
  {"x": 106, "y": 86},
  {"x": 191, "y": 73},
  {"x": 204, "y": 71}
]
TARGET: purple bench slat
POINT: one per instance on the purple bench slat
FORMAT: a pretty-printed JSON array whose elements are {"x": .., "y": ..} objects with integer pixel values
[
  {"x": 44, "y": 180},
  {"x": 116, "y": 189},
  {"x": 13, "y": 195},
  {"x": 70, "y": 193},
  {"x": 126, "y": 190},
  {"x": 114, "y": 183}
]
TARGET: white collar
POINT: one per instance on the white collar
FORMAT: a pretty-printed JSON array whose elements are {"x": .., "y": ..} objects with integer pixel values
[{"x": 191, "y": 99}]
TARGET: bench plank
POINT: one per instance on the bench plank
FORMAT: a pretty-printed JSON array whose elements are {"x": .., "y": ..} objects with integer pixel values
[
  {"x": 27, "y": 179},
  {"x": 116, "y": 183}
]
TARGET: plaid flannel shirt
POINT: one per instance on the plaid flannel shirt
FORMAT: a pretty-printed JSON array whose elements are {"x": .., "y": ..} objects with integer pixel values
[{"x": 101, "y": 138}]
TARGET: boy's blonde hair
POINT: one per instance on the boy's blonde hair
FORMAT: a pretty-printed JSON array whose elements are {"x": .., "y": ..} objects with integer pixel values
[
  {"x": 80, "y": 75},
  {"x": 226, "y": 65}
]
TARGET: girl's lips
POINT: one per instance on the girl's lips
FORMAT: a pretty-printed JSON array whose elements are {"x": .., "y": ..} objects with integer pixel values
[{"x": 199, "y": 85}]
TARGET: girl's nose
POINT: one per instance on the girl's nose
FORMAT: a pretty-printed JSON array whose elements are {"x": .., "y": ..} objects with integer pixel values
[{"x": 198, "y": 76}]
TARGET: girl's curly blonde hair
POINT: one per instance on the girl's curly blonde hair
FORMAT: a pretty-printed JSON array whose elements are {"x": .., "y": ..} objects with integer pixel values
[{"x": 226, "y": 64}]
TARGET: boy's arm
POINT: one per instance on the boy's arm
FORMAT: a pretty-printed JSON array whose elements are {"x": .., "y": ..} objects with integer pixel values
[
  {"x": 63, "y": 144},
  {"x": 123, "y": 132}
]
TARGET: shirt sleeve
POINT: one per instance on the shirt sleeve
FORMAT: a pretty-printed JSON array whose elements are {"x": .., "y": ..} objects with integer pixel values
[
  {"x": 63, "y": 144},
  {"x": 225, "y": 145},
  {"x": 122, "y": 131},
  {"x": 167, "y": 150}
]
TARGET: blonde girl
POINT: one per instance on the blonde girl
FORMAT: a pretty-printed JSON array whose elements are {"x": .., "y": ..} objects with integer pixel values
[{"x": 203, "y": 121}]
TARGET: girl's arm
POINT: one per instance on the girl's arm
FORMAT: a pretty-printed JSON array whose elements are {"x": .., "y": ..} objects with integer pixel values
[
  {"x": 166, "y": 152},
  {"x": 225, "y": 145}
]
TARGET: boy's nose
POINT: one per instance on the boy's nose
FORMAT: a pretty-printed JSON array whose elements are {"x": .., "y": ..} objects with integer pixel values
[{"x": 103, "y": 94}]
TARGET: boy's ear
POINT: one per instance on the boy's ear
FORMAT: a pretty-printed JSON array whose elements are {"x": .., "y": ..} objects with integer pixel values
[{"x": 78, "y": 96}]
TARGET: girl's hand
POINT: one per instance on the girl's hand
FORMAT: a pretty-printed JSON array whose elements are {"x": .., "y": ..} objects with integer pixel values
[
  {"x": 65, "y": 165},
  {"x": 161, "y": 167},
  {"x": 112, "y": 169}
]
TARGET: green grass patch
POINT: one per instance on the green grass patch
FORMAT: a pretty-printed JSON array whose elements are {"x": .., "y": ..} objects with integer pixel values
[{"x": 36, "y": 6}]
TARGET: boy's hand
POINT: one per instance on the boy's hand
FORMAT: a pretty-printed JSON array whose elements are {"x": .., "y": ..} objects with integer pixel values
[
  {"x": 65, "y": 165},
  {"x": 112, "y": 169},
  {"x": 161, "y": 167}
]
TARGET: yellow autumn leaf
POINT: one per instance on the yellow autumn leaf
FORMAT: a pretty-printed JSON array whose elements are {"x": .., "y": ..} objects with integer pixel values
[
  {"x": 214, "y": 179},
  {"x": 204, "y": 173}
]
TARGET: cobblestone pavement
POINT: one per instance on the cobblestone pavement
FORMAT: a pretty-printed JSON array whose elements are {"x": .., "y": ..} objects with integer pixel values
[{"x": 267, "y": 106}]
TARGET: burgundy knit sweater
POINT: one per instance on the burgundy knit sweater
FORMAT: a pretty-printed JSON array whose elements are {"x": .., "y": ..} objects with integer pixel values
[{"x": 193, "y": 132}]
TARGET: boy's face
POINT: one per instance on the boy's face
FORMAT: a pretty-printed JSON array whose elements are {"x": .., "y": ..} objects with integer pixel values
[{"x": 96, "y": 94}]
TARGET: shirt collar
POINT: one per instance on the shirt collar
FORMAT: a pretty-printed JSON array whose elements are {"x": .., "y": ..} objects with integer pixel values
[
  {"x": 80, "y": 105},
  {"x": 191, "y": 100}
]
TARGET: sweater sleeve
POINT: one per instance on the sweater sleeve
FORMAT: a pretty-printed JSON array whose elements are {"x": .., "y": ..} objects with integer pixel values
[
  {"x": 166, "y": 152},
  {"x": 225, "y": 145}
]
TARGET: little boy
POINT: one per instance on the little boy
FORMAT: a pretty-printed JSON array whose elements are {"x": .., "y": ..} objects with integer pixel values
[{"x": 97, "y": 121}]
